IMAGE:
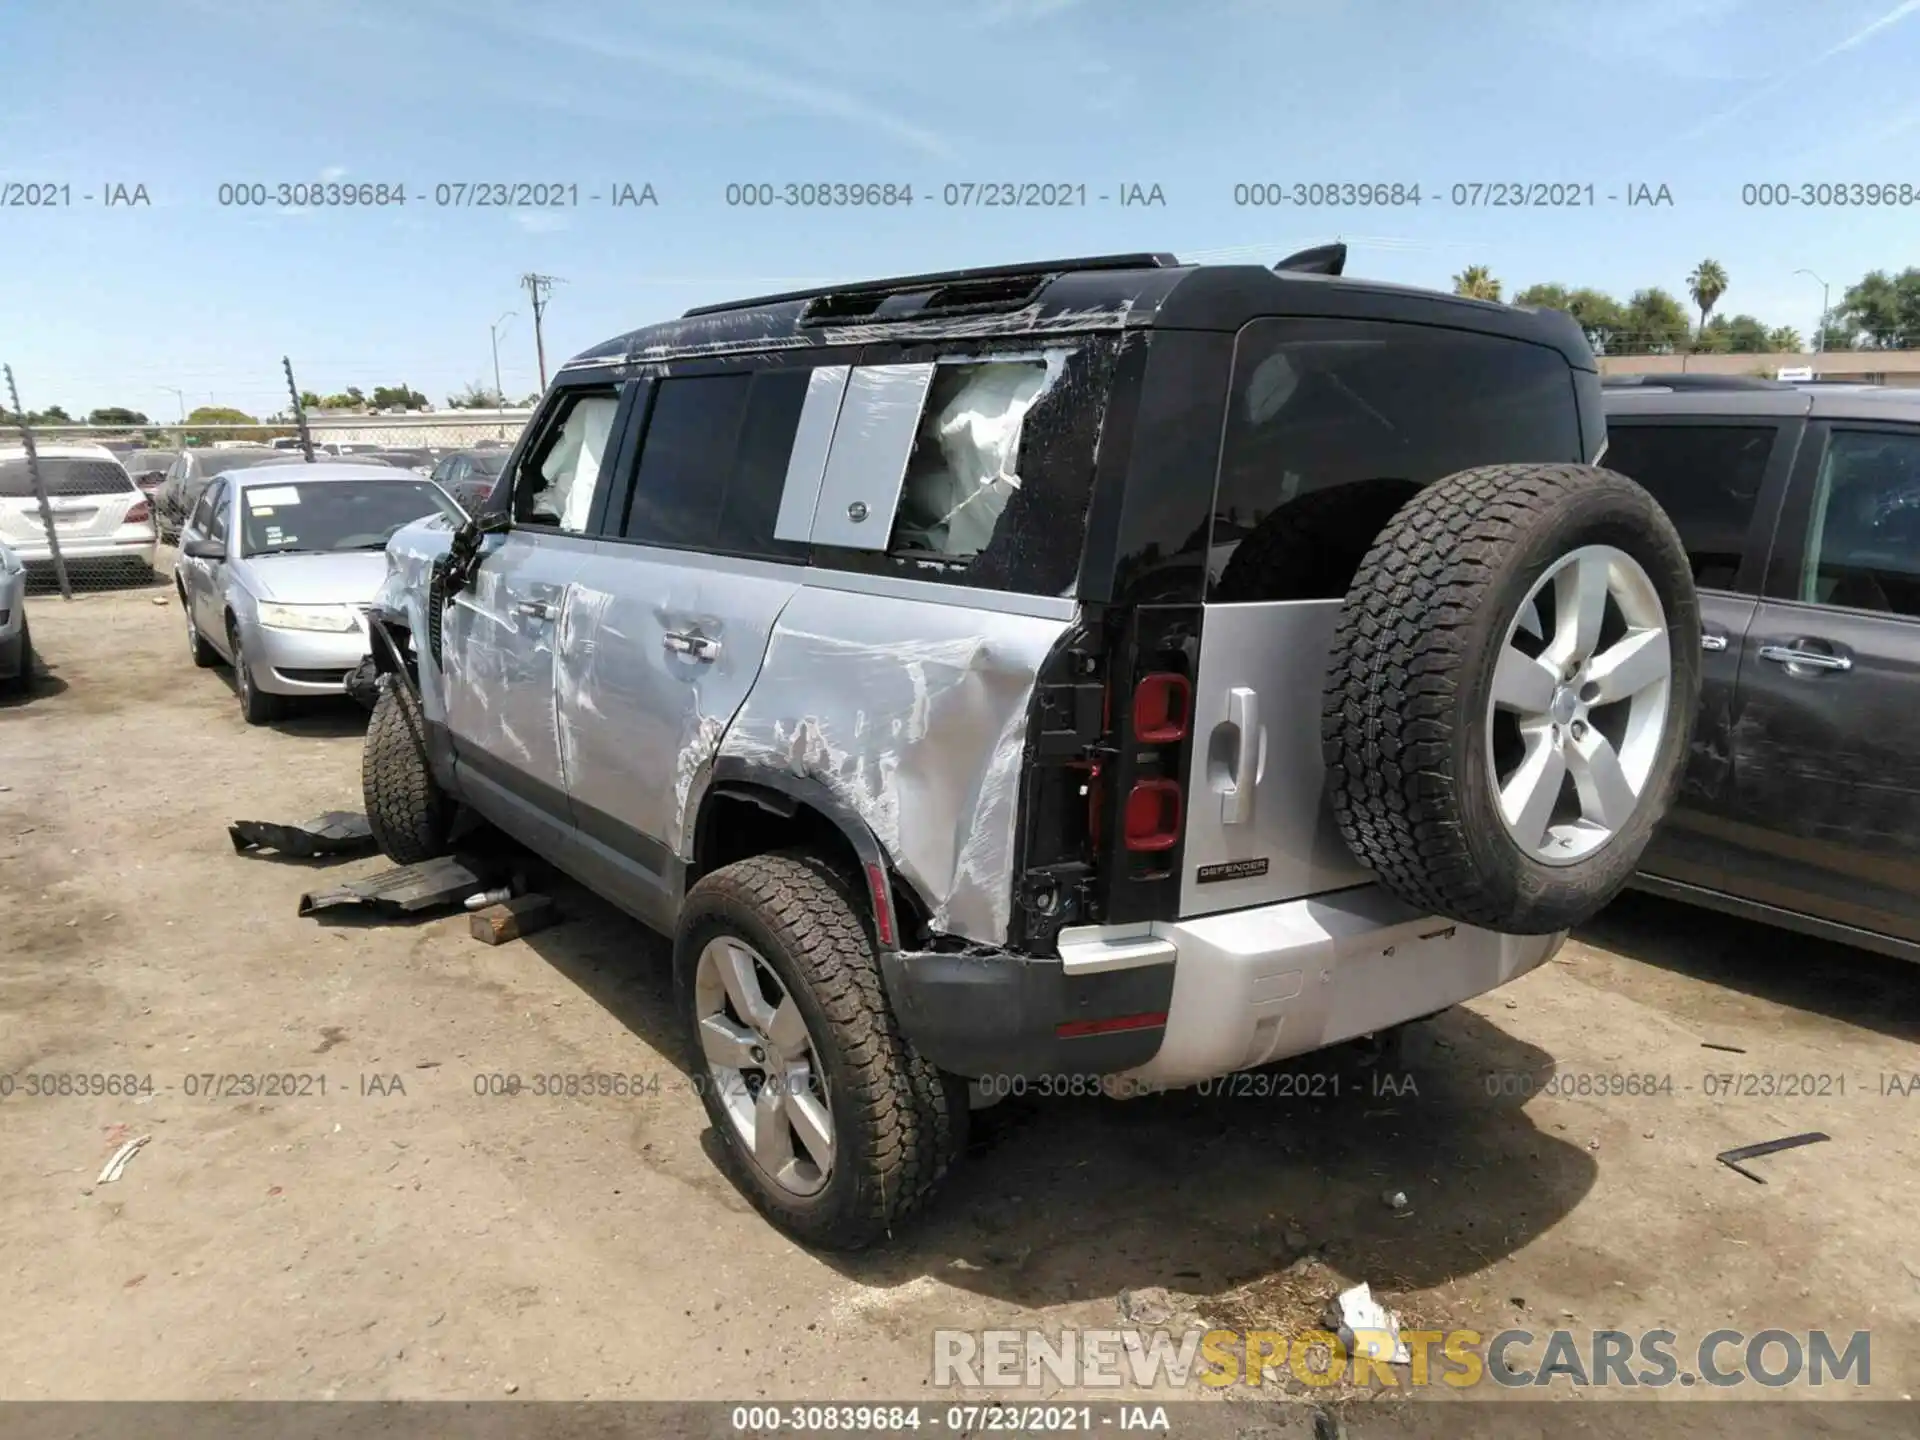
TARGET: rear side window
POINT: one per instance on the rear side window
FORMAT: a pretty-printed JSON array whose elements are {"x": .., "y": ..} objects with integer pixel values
[
  {"x": 713, "y": 461},
  {"x": 65, "y": 477},
  {"x": 1706, "y": 477},
  {"x": 1333, "y": 425},
  {"x": 1863, "y": 549},
  {"x": 965, "y": 463}
]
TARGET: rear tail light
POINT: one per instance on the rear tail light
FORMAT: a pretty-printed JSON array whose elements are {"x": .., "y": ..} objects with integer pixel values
[
  {"x": 1162, "y": 703},
  {"x": 1153, "y": 815},
  {"x": 141, "y": 512}
]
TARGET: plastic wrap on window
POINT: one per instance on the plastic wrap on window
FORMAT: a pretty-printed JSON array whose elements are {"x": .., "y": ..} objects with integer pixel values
[{"x": 913, "y": 715}]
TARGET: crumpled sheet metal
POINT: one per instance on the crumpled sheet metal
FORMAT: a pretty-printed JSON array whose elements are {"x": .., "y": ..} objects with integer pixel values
[
  {"x": 403, "y": 595},
  {"x": 914, "y": 715}
]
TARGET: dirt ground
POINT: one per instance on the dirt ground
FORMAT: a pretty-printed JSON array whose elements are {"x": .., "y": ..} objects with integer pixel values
[{"x": 404, "y": 1236}]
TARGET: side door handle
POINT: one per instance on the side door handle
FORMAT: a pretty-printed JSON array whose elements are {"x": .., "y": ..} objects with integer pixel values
[
  {"x": 1243, "y": 712},
  {"x": 1710, "y": 641},
  {"x": 693, "y": 645},
  {"x": 538, "y": 609},
  {"x": 1808, "y": 659}
]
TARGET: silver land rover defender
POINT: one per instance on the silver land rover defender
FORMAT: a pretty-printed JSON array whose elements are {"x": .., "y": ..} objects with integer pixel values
[{"x": 1103, "y": 667}]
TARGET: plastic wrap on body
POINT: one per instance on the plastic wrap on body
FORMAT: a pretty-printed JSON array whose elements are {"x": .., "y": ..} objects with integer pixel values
[{"x": 914, "y": 715}]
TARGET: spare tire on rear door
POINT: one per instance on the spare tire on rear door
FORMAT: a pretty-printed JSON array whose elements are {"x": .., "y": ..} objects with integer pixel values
[{"x": 1511, "y": 692}]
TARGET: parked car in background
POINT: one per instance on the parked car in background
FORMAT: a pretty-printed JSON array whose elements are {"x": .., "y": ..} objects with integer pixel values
[
  {"x": 16, "y": 641},
  {"x": 190, "y": 472},
  {"x": 469, "y": 475},
  {"x": 420, "y": 462},
  {"x": 275, "y": 571},
  {"x": 100, "y": 517},
  {"x": 1800, "y": 510},
  {"x": 148, "y": 467}
]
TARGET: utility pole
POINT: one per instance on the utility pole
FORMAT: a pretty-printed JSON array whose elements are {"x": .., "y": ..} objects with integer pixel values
[
  {"x": 499, "y": 395},
  {"x": 539, "y": 287}
]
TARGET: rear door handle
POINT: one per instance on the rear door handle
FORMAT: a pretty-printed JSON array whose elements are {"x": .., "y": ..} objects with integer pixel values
[
  {"x": 1243, "y": 712},
  {"x": 1713, "y": 642},
  {"x": 690, "y": 644},
  {"x": 1811, "y": 659},
  {"x": 538, "y": 609}
]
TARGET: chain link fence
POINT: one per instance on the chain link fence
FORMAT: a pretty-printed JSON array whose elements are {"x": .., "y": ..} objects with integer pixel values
[{"x": 89, "y": 508}]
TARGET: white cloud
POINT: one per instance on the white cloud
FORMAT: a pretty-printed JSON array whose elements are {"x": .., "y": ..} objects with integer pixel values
[
  {"x": 333, "y": 172},
  {"x": 1798, "y": 75},
  {"x": 830, "y": 101}
]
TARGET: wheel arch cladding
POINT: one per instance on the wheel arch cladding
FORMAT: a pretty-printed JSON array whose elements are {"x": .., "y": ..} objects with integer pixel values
[
  {"x": 749, "y": 809},
  {"x": 1411, "y": 669}
]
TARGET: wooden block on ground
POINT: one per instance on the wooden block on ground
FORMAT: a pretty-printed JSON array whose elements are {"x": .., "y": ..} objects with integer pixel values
[{"x": 519, "y": 916}]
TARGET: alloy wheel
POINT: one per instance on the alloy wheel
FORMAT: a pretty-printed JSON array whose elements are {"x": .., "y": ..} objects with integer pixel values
[
  {"x": 1580, "y": 702},
  {"x": 764, "y": 1065}
]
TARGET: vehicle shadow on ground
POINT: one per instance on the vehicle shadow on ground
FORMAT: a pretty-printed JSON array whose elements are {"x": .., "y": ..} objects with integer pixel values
[
  {"x": 45, "y": 686},
  {"x": 312, "y": 717},
  {"x": 1854, "y": 986},
  {"x": 1071, "y": 1199}
]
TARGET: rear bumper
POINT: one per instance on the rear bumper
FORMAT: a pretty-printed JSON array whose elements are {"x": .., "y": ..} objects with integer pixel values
[
  {"x": 1235, "y": 990},
  {"x": 76, "y": 550}
]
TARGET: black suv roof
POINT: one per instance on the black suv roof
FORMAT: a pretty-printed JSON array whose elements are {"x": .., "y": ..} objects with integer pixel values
[{"x": 1101, "y": 292}]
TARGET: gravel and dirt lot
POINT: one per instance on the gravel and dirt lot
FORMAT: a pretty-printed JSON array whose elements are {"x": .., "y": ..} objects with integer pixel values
[{"x": 402, "y": 1233}]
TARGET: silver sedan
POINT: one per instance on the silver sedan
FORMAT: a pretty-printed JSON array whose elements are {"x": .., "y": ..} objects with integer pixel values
[
  {"x": 278, "y": 564},
  {"x": 16, "y": 645}
]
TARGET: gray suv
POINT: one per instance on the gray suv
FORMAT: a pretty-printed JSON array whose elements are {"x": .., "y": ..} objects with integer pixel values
[
  {"x": 1094, "y": 674},
  {"x": 1800, "y": 509}
]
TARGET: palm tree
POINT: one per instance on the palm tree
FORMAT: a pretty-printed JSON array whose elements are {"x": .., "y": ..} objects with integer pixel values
[
  {"x": 1476, "y": 282},
  {"x": 1707, "y": 284},
  {"x": 1784, "y": 341}
]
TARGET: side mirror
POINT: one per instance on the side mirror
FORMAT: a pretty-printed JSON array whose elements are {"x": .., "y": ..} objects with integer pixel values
[{"x": 201, "y": 548}]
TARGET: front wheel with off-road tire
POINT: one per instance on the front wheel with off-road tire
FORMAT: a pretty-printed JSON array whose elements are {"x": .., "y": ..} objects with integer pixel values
[
  {"x": 831, "y": 1123},
  {"x": 1511, "y": 693},
  {"x": 409, "y": 814}
]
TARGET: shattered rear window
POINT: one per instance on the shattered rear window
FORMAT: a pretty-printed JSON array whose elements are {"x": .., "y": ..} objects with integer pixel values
[
  {"x": 965, "y": 464},
  {"x": 998, "y": 484}
]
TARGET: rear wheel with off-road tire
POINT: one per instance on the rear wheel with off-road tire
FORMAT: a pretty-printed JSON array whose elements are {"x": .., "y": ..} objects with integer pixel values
[
  {"x": 410, "y": 815},
  {"x": 1511, "y": 693},
  {"x": 829, "y": 1121}
]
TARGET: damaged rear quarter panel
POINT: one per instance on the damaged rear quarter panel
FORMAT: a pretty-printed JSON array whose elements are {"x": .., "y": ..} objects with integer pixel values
[{"x": 913, "y": 714}]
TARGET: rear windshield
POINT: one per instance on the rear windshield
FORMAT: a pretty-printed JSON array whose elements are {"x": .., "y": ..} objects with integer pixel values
[
  {"x": 489, "y": 464},
  {"x": 218, "y": 462},
  {"x": 65, "y": 477},
  {"x": 1332, "y": 425},
  {"x": 334, "y": 515},
  {"x": 1706, "y": 477}
]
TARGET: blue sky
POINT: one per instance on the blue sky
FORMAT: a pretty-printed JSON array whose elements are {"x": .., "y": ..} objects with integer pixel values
[{"x": 113, "y": 306}]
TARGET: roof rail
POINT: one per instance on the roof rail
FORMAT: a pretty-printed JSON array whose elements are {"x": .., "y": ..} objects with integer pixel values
[
  {"x": 1036, "y": 272},
  {"x": 1684, "y": 381}
]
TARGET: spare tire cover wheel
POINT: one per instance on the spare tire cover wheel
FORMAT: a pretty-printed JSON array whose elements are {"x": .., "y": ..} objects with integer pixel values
[{"x": 1511, "y": 694}]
